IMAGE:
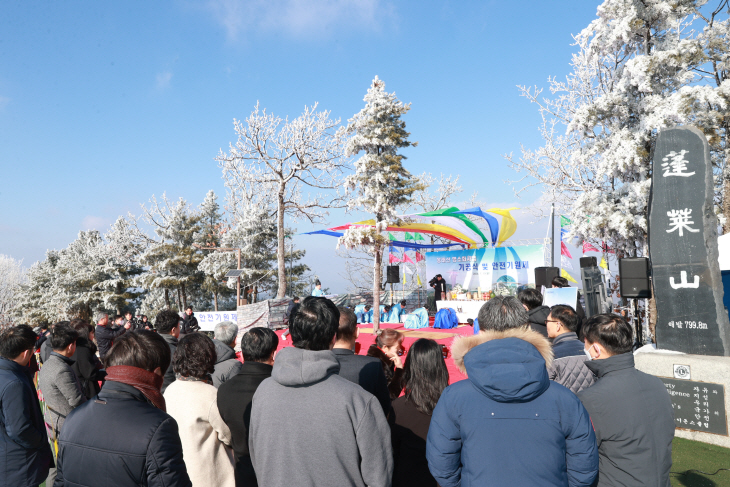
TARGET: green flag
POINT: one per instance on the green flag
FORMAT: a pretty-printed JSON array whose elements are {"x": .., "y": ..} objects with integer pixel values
[
  {"x": 564, "y": 221},
  {"x": 408, "y": 237},
  {"x": 391, "y": 237},
  {"x": 417, "y": 236}
]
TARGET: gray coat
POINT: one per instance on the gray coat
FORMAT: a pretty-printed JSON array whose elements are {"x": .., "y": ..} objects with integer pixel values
[
  {"x": 337, "y": 430},
  {"x": 569, "y": 365},
  {"x": 633, "y": 419},
  {"x": 61, "y": 389},
  {"x": 226, "y": 364}
]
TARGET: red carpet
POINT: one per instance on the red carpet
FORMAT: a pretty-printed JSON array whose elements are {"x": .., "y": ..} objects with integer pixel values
[{"x": 367, "y": 339}]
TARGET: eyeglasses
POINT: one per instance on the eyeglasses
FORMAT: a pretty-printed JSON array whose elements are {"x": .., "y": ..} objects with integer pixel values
[{"x": 553, "y": 321}]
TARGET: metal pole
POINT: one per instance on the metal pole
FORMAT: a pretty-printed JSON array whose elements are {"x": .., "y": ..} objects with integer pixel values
[
  {"x": 552, "y": 234},
  {"x": 238, "y": 281}
]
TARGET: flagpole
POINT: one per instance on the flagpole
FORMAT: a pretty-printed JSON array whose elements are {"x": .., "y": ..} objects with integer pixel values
[{"x": 552, "y": 234}]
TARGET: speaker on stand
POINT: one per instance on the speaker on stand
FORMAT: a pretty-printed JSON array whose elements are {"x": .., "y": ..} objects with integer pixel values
[
  {"x": 544, "y": 276},
  {"x": 393, "y": 277},
  {"x": 635, "y": 284}
]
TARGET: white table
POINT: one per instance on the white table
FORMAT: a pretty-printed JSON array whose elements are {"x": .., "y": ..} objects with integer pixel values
[{"x": 464, "y": 309}]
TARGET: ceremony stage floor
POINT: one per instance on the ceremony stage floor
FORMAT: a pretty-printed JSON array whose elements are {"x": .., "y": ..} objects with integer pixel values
[{"x": 444, "y": 337}]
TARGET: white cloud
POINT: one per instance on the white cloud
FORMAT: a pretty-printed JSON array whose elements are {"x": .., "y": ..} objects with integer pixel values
[
  {"x": 91, "y": 222},
  {"x": 163, "y": 79},
  {"x": 298, "y": 17}
]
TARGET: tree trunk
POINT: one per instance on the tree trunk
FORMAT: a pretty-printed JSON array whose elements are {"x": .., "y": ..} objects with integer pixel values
[
  {"x": 726, "y": 205},
  {"x": 179, "y": 300},
  {"x": 184, "y": 297},
  {"x": 167, "y": 298},
  {"x": 376, "y": 289},
  {"x": 215, "y": 300},
  {"x": 280, "y": 251}
]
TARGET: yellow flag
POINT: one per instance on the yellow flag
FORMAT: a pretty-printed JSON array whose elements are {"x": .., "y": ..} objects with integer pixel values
[
  {"x": 564, "y": 273},
  {"x": 508, "y": 226},
  {"x": 419, "y": 280},
  {"x": 404, "y": 276},
  {"x": 603, "y": 263}
]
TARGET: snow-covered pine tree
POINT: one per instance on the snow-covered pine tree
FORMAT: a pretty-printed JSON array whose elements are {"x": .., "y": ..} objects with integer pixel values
[
  {"x": 172, "y": 260},
  {"x": 12, "y": 277},
  {"x": 122, "y": 249},
  {"x": 641, "y": 66},
  {"x": 380, "y": 184},
  {"x": 34, "y": 304},
  {"x": 213, "y": 227}
]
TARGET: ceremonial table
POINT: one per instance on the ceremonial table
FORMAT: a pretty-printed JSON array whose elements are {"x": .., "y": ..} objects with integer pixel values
[{"x": 464, "y": 309}]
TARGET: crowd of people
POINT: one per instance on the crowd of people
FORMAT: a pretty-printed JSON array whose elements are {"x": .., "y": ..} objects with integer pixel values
[{"x": 540, "y": 407}]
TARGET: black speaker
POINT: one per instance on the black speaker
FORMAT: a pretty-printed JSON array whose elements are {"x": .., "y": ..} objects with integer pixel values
[
  {"x": 588, "y": 261},
  {"x": 393, "y": 274},
  {"x": 634, "y": 274},
  {"x": 544, "y": 275}
]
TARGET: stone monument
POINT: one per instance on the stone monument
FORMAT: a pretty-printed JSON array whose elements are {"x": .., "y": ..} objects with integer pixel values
[{"x": 688, "y": 289}]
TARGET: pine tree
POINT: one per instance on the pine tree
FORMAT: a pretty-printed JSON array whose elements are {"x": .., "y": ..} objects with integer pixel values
[
  {"x": 172, "y": 260},
  {"x": 380, "y": 182},
  {"x": 213, "y": 227}
]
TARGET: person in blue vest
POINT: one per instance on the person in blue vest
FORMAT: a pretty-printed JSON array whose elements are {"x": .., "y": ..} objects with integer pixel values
[
  {"x": 397, "y": 311},
  {"x": 317, "y": 291}
]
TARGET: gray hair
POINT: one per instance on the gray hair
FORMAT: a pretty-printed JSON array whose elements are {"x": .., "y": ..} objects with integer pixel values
[
  {"x": 502, "y": 313},
  {"x": 225, "y": 331},
  {"x": 100, "y": 315}
]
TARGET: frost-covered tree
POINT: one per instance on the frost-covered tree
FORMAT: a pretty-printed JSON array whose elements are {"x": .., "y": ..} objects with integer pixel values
[
  {"x": 641, "y": 66},
  {"x": 12, "y": 277},
  {"x": 120, "y": 253},
  {"x": 172, "y": 260},
  {"x": 380, "y": 184},
  {"x": 35, "y": 304},
  {"x": 275, "y": 161},
  {"x": 213, "y": 228}
]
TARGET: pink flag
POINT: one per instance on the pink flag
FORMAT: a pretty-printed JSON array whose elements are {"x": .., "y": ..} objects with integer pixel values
[
  {"x": 587, "y": 247},
  {"x": 393, "y": 258},
  {"x": 564, "y": 250},
  {"x": 407, "y": 259},
  {"x": 419, "y": 257}
]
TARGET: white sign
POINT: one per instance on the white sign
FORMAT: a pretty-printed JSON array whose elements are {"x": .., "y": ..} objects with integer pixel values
[{"x": 208, "y": 319}]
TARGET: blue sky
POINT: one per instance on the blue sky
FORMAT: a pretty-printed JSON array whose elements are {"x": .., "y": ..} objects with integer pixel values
[{"x": 103, "y": 104}]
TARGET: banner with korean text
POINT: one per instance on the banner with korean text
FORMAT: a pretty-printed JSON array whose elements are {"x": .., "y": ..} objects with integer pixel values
[
  {"x": 502, "y": 269},
  {"x": 208, "y": 319}
]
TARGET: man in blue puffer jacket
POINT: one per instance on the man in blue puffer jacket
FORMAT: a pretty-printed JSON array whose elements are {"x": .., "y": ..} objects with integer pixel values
[{"x": 508, "y": 424}]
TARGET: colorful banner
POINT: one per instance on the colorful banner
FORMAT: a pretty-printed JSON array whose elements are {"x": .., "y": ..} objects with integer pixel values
[{"x": 490, "y": 268}]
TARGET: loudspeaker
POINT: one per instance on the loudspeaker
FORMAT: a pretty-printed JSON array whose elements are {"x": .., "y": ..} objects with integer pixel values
[
  {"x": 393, "y": 274},
  {"x": 634, "y": 274},
  {"x": 544, "y": 275},
  {"x": 588, "y": 261}
]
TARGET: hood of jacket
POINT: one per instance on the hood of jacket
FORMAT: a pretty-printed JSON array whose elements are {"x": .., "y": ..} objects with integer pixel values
[
  {"x": 223, "y": 352},
  {"x": 539, "y": 314},
  {"x": 506, "y": 366},
  {"x": 297, "y": 367}
]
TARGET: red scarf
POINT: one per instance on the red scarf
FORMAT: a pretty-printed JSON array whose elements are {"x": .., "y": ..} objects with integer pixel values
[{"x": 148, "y": 383}]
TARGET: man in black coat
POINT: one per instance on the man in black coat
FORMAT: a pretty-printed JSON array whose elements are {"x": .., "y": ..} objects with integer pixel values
[
  {"x": 105, "y": 335},
  {"x": 190, "y": 322},
  {"x": 531, "y": 300},
  {"x": 124, "y": 437},
  {"x": 362, "y": 370},
  {"x": 631, "y": 411},
  {"x": 258, "y": 347},
  {"x": 439, "y": 286},
  {"x": 167, "y": 324},
  {"x": 24, "y": 449}
]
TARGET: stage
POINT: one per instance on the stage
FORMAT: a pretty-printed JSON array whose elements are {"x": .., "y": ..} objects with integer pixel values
[{"x": 444, "y": 337}]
